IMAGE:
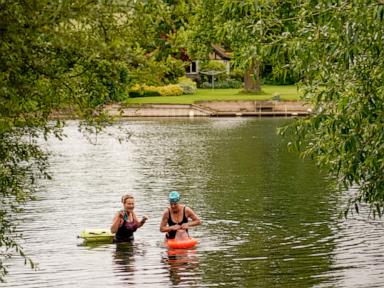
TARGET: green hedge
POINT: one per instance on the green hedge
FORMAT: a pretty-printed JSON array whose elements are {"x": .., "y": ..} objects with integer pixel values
[
  {"x": 228, "y": 84},
  {"x": 135, "y": 94}
]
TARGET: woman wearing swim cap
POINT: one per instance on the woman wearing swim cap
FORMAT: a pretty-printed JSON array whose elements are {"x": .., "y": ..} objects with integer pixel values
[
  {"x": 125, "y": 222},
  {"x": 176, "y": 217}
]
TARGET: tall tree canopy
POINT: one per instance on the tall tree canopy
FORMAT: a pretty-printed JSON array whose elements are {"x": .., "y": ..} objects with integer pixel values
[
  {"x": 53, "y": 55},
  {"x": 78, "y": 55},
  {"x": 338, "y": 49},
  {"x": 71, "y": 56},
  {"x": 251, "y": 29}
]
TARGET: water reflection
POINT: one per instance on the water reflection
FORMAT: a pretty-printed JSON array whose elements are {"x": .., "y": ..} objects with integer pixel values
[
  {"x": 124, "y": 257},
  {"x": 269, "y": 218},
  {"x": 272, "y": 230},
  {"x": 182, "y": 264}
]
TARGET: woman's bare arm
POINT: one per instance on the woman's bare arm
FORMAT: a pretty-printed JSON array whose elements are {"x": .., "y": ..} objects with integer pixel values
[
  {"x": 141, "y": 222},
  {"x": 189, "y": 213},
  {"x": 116, "y": 222}
]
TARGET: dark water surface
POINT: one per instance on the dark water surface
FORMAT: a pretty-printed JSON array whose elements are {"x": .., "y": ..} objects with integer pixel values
[{"x": 269, "y": 218}]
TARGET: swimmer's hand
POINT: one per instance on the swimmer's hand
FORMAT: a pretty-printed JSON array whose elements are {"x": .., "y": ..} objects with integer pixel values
[
  {"x": 175, "y": 227},
  {"x": 144, "y": 219},
  {"x": 184, "y": 226}
]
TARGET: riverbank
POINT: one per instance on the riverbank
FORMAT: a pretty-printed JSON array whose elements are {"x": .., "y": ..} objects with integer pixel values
[
  {"x": 269, "y": 92},
  {"x": 212, "y": 109},
  {"x": 273, "y": 101}
]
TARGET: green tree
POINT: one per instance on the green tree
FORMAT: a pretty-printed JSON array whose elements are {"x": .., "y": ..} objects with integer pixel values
[
  {"x": 71, "y": 57},
  {"x": 251, "y": 29},
  {"x": 338, "y": 48},
  {"x": 158, "y": 29},
  {"x": 54, "y": 55}
]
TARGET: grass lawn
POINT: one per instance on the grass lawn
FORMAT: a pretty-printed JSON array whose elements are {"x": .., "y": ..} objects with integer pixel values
[{"x": 286, "y": 92}]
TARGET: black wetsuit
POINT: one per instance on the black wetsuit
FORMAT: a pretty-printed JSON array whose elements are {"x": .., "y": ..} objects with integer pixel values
[
  {"x": 172, "y": 234},
  {"x": 125, "y": 231}
]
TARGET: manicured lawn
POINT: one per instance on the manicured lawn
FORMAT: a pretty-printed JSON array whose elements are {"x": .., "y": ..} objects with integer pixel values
[{"x": 286, "y": 92}]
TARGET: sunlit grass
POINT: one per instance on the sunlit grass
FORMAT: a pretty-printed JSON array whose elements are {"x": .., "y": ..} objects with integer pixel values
[{"x": 286, "y": 92}]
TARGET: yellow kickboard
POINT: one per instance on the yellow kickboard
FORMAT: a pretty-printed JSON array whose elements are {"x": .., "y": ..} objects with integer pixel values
[{"x": 96, "y": 235}]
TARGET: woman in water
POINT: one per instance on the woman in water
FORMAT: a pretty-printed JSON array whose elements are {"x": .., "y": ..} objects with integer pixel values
[
  {"x": 125, "y": 222},
  {"x": 175, "y": 221}
]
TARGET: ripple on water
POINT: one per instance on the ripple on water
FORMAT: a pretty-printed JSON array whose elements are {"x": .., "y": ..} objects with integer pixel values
[{"x": 269, "y": 218}]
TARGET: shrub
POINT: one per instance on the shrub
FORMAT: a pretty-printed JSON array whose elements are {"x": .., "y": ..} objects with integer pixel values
[
  {"x": 237, "y": 74},
  {"x": 151, "y": 93},
  {"x": 187, "y": 89},
  {"x": 145, "y": 91},
  {"x": 215, "y": 66},
  {"x": 148, "y": 72},
  {"x": 135, "y": 94},
  {"x": 231, "y": 83},
  {"x": 174, "y": 68},
  {"x": 227, "y": 84},
  {"x": 170, "y": 90},
  {"x": 186, "y": 80},
  {"x": 187, "y": 85},
  {"x": 212, "y": 65},
  {"x": 205, "y": 85},
  {"x": 275, "y": 75}
]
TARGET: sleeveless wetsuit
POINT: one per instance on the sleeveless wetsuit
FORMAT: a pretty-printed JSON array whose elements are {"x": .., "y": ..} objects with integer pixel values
[
  {"x": 172, "y": 234},
  {"x": 125, "y": 231}
]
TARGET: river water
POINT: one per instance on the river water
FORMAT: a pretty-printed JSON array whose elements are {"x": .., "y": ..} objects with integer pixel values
[{"x": 269, "y": 218}]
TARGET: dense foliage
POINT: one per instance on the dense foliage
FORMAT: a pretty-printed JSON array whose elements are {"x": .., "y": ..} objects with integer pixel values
[
  {"x": 51, "y": 56},
  {"x": 251, "y": 29},
  {"x": 79, "y": 55},
  {"x": 335, "y": 48},
  {"x": 54, "y": 55},
  {"x": 338, "y": 48},
  {"x": 72, "y": 57}
]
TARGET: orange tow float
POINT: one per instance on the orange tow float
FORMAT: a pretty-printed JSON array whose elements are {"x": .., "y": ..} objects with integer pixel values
[{"x": 181, "y": 244}]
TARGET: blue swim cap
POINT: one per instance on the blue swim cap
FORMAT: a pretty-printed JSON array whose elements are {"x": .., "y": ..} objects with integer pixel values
[{"x": 174, "y": 197}]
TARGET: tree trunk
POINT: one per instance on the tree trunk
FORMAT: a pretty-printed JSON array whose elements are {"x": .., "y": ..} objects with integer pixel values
[{"x": 252, "y": 78}]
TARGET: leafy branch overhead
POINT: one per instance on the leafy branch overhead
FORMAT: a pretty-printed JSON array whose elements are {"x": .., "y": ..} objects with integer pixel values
[
  {"x": 76, "y": 56},
  {"x": 337, "y": 48},
  {"x": 71, "y": 57}
]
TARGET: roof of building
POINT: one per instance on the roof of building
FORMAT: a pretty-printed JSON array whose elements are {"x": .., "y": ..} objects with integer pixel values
[{"x": 225, "y": 55}]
